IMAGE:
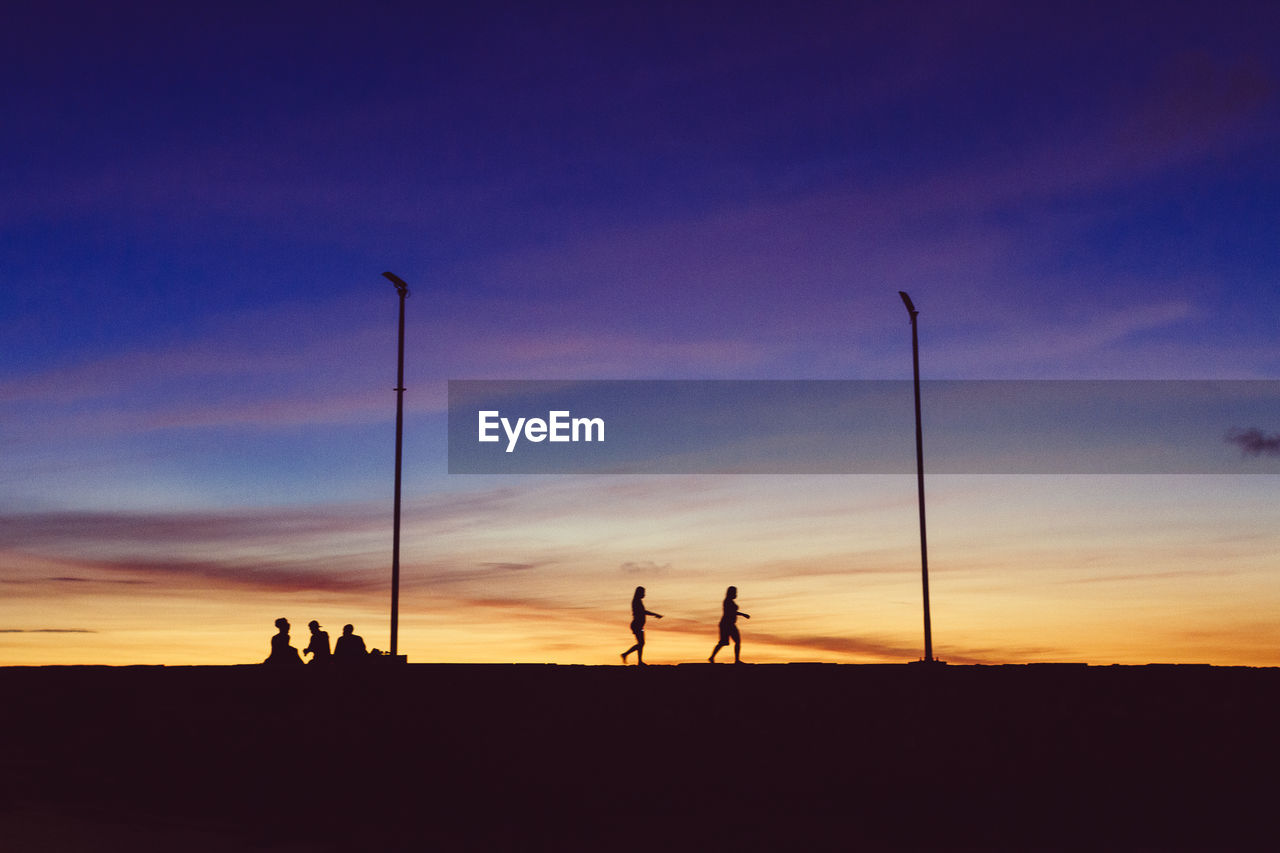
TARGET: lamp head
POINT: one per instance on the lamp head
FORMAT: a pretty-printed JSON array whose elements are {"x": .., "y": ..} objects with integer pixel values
[
  {"x": 398, "y": 282},
  {"x": 906, "y": 300}
]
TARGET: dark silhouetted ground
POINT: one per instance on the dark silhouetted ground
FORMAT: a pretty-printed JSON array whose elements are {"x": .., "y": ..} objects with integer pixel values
[{"x": 694, "y": 757}]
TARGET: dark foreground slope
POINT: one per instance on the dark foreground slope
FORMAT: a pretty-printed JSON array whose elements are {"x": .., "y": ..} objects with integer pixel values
[{"x": 428, "y": 757}]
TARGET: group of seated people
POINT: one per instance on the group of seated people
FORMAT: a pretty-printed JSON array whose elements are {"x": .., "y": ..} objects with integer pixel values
[{"x": 349, "y": 648}]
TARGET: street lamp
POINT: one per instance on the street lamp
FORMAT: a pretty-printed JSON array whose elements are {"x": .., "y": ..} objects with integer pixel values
[
  {"x": 924, "y": 545},
  {"x": 395, "y": 530}
]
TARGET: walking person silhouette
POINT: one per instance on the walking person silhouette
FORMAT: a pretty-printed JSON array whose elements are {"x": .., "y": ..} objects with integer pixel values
[
  {"x": 637, "y": 626},
  {"x": 729, "y": 627}
]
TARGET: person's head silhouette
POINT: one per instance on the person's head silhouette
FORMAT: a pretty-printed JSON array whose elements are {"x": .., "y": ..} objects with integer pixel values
[
  {"x": 639, "y": 592},
  {"x": 347, "y": 629},
  {"x": 313, "y": 625},
  {"x": 283, "y": 624},
  {"x": 731, "y": 592}
]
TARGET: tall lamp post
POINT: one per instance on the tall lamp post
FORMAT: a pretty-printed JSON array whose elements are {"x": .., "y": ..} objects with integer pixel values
[
  {"x": 395, "y": 530},
  {"x": 924, "y": 544}
]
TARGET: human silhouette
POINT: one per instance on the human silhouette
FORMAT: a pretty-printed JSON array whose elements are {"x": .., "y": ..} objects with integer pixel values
[
  {"x": 283, "y": 654},
  {"x": 729, "y": 627},
  {"x": 637, "y": 625},
  {"x": 318, "y": 648},
  {"x": 350, "y": 646}
]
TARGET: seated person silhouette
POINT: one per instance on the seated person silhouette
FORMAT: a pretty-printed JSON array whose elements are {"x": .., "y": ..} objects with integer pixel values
[
  {"x": 350, "y": 647},
  {"x": 729, "y": 627},
  {"x": 319, "y": 645},
  {"x": 283, "y": 654},
  {"x": 637, "y": 625}
]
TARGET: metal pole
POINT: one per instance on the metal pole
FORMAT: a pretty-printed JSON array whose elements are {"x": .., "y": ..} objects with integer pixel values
[
  {"x": 924, "y": 543},
  {"x": 395, "y": 530}
]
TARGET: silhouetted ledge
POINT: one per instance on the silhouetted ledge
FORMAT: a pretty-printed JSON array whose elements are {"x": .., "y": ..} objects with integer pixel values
[{"x": 690, "y": 756}]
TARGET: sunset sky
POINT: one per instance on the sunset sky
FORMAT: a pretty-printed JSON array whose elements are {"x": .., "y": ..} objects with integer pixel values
[{"x": 197, "y": 348}]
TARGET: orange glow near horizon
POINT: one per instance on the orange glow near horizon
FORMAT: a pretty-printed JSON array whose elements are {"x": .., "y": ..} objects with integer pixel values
[{"x": 1098, "y": 570}]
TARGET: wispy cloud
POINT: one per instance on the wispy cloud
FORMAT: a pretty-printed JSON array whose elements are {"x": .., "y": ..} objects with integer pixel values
[
  {"x": 125, "y": 581},
  {"x": 511, "y": 567},
  {"x": 644, "y": 567},
  {"x": 60, "y": 529},
  {"x": 301, "y": 576},
  {"x": 1147, "y": 577},
  {"x": 236, "y": 370},
  {"x": 326, "y": 549},
  {"x": 852, "y": 645}
]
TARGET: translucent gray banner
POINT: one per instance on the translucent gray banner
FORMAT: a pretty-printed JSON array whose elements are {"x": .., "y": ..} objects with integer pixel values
[{"x": 864, "y": 427}]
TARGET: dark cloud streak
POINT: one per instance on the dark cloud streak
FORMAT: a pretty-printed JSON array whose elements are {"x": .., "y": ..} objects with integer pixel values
[
  {"x": 128, "y": 581},
  {"x": 271, "y": 577},
  {"x": 511, "y": 567},
  {"x": 844, "y": 645},
  {"x": 1254, "y": 442},
  {"x": 37, "y": 530}
]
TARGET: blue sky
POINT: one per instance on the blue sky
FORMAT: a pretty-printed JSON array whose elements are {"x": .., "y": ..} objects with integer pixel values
[{"x": 199, "y": 203}]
